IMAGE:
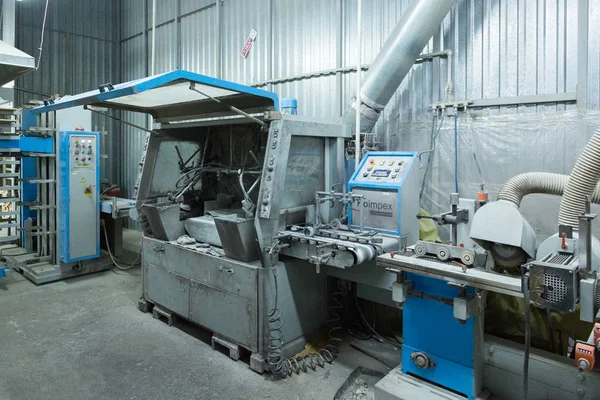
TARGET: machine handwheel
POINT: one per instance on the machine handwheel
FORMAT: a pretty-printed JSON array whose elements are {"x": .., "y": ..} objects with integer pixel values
[
  {"x": 420, "y": 249},
  {"x": 443, "y": 253},
  {"x": 467, "y": 258}
]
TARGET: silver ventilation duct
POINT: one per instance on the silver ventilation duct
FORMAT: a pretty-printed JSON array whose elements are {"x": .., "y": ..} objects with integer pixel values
[
  {"x": 416, "y": 26},
  {"x": 13, "y": 63}
]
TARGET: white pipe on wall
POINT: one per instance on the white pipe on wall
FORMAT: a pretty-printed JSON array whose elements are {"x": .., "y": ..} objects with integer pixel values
[{"x": 358, "y": 71}]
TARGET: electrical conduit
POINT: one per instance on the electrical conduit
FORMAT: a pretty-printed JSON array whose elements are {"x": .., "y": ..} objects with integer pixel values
[
  {"x": 582, "y": 182},
  {"x": 537, "y": 182}
]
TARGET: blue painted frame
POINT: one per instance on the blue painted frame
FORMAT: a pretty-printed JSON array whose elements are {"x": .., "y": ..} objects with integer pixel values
[
  {"x": 429, "y": 326},
  {"x": 64, "y": 190},
  {"x": 29, "y": 117},
  {"x": 397, "y": 186}
]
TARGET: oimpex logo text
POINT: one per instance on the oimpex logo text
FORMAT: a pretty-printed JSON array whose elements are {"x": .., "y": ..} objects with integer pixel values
[{"x": 373, "y": 205}]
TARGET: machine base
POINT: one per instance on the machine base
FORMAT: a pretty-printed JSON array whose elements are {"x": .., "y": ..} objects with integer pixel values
[
  {"x": 258, "y": 362},
  {"x": 399, "y": 386},
  {"x": 39, "y": 270}
]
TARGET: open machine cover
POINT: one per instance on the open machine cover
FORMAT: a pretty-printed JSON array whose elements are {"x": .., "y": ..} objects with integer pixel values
[{"x": 167, "y": 97}]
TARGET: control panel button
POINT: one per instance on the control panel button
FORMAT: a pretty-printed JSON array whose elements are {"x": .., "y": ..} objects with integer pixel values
[
  {"x": 371, "y": 161},
  {"x": 397, "y": 170},
  {"x": 391, "y": 163},
  {"x": 83, "y": 159},
  {"x": 366, "y": 174},
  {"x": 382, "y": 163},
  {"x": 394, "y": 176},
  {"x": 369, "y": 168}
]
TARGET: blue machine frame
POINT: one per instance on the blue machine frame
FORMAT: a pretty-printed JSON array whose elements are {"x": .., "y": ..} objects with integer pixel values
[
  {"x": 64, "y": 190},
  {"x": 397, "y": 186},
  {"x": 429, "y": 326}
]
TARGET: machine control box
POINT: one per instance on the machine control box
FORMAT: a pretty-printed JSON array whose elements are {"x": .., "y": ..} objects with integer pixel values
[
  {"x": 79, "y": 196},
  {"x": 382, "y": 169},
  {"x": 389, "y": 184}
]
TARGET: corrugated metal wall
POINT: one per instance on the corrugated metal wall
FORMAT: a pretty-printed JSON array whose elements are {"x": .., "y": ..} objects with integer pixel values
[
  {"x": 501, "y": 48},
  {"x": 79, "y": 51}
]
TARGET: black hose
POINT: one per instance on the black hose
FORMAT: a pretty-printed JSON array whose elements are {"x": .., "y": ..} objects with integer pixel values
[
  {"x": 366, "y": 323},
  {"x": 527, "y": 334}
]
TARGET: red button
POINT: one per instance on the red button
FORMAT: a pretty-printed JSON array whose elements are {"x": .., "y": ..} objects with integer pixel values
[{"x": 83, "y": 159}]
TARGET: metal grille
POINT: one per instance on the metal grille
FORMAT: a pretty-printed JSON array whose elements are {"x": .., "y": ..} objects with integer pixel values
[
  {"x": 556, "y": 289},
  {"x": 559, "y": 258}
]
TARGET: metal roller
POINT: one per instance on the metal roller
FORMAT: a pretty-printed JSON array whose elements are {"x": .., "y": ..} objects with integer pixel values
[
  {"x": 443, "y": 253},
  {"x": 420, "y": 249},
  {"x": 467, "y": 257}
]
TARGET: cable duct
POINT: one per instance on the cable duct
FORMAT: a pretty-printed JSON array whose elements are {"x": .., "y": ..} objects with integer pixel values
[
  {"x": 538, "y": 182},
  {"x": 584, "y": 179},
  {"x": 417, "y": 25}
]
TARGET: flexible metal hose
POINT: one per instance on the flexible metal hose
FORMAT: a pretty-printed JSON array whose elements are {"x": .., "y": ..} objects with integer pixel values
[
  {"x": 538, "y": 182},
  {"x": 582, "y": 182}
]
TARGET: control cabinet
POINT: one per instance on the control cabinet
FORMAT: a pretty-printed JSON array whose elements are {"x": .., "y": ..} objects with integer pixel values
[
  {"x": 389, "y": 184},
  {"x": 79, "y": 196}
]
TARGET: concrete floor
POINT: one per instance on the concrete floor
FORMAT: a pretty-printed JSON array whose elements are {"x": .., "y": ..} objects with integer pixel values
[{"x": 84, "y": 338}]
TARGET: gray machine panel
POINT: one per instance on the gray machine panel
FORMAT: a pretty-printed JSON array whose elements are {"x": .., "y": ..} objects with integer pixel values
[
  {"x": 380, "y": 208},
  {"x": 199, "y": 286}
]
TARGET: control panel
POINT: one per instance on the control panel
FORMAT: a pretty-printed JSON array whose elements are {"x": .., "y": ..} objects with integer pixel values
[
  {"x": 79, "y": 205},
  {"x": 383, "y": 169},
  {"x": 389, "y": 185}
]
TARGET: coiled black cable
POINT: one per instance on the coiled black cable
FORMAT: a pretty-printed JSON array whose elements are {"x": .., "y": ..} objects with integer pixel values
[{"x": 281, "y": 367}]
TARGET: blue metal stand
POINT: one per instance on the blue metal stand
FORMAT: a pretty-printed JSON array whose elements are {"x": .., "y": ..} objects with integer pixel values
[{"x": 431, "y": 328}]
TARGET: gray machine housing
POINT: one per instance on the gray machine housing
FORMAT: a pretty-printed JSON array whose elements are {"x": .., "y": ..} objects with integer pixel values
[{"x": 221, "y": 289}]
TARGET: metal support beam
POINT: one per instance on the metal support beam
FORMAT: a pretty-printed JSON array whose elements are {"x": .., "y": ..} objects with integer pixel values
[
  {"x": 583, "y": 17},
  {"x": 339, "y": 57},
  {"x": 9, "y": 23},
  {"x": 179, "y": 62},
  {"x": 569, "y": 97},
  {"x": 270, "y": 43},
  {"x": 218, "y": 42}
]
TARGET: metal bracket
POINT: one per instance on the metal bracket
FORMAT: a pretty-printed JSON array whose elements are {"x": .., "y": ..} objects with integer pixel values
[{"x": 401, "y": 290}]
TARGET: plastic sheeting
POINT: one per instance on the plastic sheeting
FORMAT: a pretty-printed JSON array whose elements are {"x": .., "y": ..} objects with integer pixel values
[{"x": 505, "y": 146}]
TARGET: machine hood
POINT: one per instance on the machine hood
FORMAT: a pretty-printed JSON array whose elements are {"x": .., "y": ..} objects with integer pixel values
[
  {"x": 168, "y": 97},
  {"x": 13, "y": 63}
]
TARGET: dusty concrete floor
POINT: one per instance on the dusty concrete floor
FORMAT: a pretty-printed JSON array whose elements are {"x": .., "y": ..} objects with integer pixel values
[{"x": 84, "y": 338}]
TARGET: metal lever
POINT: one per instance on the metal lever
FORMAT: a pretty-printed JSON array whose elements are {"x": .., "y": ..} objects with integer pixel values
[{"x": 232, "y": 108}]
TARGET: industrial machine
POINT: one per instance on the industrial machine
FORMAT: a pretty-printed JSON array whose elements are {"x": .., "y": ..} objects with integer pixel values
[
  {"x": 246, "y": 212},
  {"x": 235, "y": 202},
  {"x": 56, "y": 194}
]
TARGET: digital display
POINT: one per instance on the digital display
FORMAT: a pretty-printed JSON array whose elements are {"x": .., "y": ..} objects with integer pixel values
[{"x": 381, "y": 173}]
